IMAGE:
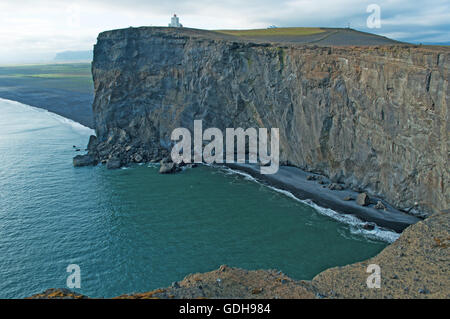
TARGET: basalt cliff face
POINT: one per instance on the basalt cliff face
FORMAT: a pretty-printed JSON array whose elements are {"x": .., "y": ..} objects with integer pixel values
[{"x": 374, "y": 118}]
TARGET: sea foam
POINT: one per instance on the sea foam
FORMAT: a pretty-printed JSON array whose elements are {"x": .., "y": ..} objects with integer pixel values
[
  {"x": 355, "y": 224},
  {"x": 52, "y": 116}
]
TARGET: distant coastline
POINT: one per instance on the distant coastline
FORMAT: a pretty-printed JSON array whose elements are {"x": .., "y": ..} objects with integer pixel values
[{"x": 65, "y": 89}]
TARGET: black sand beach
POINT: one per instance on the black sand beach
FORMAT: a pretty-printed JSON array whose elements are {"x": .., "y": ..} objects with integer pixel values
[
  {"x": 294, "y": 180},
  {"x": 64, "y": 89}
]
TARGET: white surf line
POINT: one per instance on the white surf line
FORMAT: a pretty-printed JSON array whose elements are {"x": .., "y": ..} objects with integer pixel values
[
  {"x": 75, "y": 125},
  {"x": 378, "y": 233}
]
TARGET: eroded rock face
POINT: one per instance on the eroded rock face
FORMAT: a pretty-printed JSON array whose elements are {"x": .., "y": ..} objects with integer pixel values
[{"x": 372, "y": 118}]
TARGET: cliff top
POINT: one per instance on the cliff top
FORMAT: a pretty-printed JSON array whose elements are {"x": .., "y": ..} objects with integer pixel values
[{"x": 293, "y": 36}]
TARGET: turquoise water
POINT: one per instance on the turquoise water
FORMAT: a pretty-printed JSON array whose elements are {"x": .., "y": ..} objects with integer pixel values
[{"x": 133, "y": 230}]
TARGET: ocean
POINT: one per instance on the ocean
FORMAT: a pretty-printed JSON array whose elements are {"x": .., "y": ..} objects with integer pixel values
[{"x": 134, "y": 230}]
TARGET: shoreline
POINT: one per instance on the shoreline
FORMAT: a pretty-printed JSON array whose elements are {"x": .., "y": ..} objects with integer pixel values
[
  {"x": 59, "y": 117},
  {"x": 63, "y": 103},
  {"x": 294, "y": 180},
  {"x": 327, "y": 284},
  {"x": 64, "y": 96}
]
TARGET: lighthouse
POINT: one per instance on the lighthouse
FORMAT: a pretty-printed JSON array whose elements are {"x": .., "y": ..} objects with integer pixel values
[{"x": 175, "y": 22}]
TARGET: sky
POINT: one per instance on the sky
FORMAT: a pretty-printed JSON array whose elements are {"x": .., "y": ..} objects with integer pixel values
[{"x": 35, "y": 30}]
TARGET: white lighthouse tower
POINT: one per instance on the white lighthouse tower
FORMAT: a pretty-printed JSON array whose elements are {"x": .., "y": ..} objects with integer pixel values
[{"x": 175, "y": 22}]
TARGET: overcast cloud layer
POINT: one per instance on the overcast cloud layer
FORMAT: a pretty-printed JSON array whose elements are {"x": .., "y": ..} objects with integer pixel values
[{"x": 34, "y": 30}]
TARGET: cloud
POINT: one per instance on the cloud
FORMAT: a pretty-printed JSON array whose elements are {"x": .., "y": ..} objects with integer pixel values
[{"x": 40, "y": 28}]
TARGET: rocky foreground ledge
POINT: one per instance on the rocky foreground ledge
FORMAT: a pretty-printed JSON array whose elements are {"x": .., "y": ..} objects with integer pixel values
[{"x": 415, "y": 266}]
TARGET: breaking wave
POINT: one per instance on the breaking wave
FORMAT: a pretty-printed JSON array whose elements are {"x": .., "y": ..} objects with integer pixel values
[{"x": 355, "y": 224}]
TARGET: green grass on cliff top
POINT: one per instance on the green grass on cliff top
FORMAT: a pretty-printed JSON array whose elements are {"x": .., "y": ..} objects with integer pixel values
[
  {"x": 273, "y": 32},
  {"x": 68, "y": 76}
]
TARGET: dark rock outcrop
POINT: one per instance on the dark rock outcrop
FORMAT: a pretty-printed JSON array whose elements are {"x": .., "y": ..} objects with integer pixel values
[
  {"x": 167, "y": 168},
  {"x": 374, "y": 118},
  {"x": 84, "y": 160},
  {"x": 113, "y": 163},
  {"x": 369, "y": 226}
]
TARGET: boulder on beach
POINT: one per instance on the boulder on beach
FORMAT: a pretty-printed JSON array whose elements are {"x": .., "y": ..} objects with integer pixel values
[
  {"x": 363, "y": 199},
  {"x": 335, "y": 186},
  {"x": 369, "y": 226},
  {"x": 380, "y": 205},
  {"x": 84, "y": 160}
]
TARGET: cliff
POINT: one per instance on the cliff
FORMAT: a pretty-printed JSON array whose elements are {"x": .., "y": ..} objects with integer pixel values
[{"x": 374, "y": 118}]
